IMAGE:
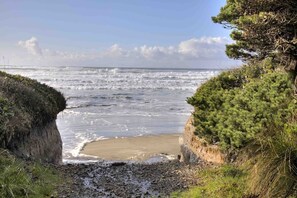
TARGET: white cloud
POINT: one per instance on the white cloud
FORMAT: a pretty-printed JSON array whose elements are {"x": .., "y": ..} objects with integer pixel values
[
  {"x": 189, "y": 47},
  {"x": 32, "y": 46},
  {"x": 205, "y": 47},
  {"x": 194, "y": 52},
  {"x": 151, "y": 52},
  {"x": 116, "y": 51},
  {"x": 213, "y": 40}
]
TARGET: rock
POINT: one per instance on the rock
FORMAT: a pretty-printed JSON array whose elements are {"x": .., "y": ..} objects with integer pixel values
[
  {"x": 40, "y": 143},
  {"x": 118, "y": 163},
  {"x": 31, "y": 133},
  {"x": 188, "y": 156},
  {"x": 194, "y": 148}
]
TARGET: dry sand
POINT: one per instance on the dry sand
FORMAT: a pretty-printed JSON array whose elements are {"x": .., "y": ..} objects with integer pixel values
[{"x": 134, "y": 148}]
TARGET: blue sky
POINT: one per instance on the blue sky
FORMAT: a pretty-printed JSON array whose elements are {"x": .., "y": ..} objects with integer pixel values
[{"x": 132, "y": 33}]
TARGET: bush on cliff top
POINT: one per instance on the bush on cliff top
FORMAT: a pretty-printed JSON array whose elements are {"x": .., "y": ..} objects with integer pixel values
[
  {"x": 25, "y": 103},
  {"x": 235, "y": 107}
]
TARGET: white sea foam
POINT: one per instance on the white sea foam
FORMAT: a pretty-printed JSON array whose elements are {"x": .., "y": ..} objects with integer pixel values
[
  {"x": 75, "y": 152},
  {"x": 79, "y": 161}
]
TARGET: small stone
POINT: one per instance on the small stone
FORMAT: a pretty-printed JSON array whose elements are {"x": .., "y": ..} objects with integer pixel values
[{"x": 118, "y": 163}]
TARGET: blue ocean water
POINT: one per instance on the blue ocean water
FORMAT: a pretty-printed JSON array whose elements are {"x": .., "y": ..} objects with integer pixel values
[{"x": 118, "y": 102}]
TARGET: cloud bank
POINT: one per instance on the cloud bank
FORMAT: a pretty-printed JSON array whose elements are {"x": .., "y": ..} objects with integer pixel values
[{"x": 194, "y": 52}]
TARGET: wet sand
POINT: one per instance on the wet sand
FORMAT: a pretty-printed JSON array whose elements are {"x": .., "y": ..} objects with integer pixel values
[{"x": 134, "y": 148}]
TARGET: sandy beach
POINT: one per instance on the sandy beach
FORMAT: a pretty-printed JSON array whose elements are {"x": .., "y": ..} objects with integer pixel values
[{"x": 134, "y": 148}]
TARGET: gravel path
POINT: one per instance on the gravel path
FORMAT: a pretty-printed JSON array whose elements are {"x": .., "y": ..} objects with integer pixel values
[{"x": 121, "y": 179}]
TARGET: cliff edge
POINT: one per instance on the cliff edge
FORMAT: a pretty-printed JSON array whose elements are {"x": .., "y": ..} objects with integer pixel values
[
  {"x": 194, "y": 148},
  {"x": 28, "y": 110}
]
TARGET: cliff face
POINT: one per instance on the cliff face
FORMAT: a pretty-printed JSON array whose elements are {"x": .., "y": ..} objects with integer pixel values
[
  {"x": 28, "y": 111},
  {"x": 41, "y": 143},
  {"x": 193, "y": 148}
]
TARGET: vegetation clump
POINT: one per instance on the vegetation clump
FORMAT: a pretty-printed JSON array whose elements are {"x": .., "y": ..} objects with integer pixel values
[
  {"x": 25, "y": 103},
  {"x": 237, "y": 106}
]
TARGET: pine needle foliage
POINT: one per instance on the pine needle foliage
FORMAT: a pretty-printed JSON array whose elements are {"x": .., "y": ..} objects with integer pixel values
[{"x": 261, "y": 29}]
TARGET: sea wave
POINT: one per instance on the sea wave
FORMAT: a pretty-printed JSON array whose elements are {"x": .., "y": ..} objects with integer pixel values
[{"x": 110, "y": 102}]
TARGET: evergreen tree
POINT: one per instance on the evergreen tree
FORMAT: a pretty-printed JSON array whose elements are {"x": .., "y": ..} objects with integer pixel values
[{"x": 261, "y": 29}]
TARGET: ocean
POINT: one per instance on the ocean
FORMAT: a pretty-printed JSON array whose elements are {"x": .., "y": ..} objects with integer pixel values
[{"x": 117, "y": 102}]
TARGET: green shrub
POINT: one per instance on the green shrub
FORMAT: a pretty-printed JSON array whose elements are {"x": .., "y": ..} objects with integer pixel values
[
  {"x": 39, "y": 100},
  {"x": 237, "y": 105}
]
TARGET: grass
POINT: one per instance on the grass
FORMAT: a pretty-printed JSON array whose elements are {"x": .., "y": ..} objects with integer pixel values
[
  {"x": 217, "y": 182},
  {"x": 273, "y": 172},
  {"x": 26, "y": 179}
]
